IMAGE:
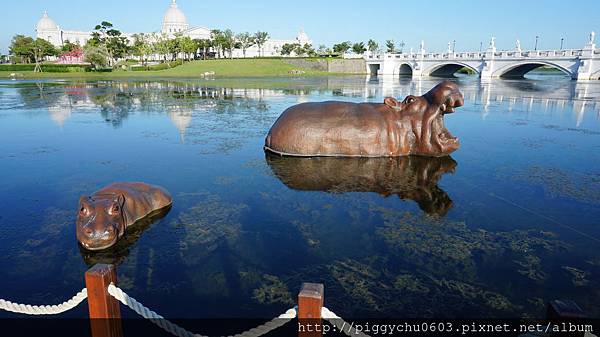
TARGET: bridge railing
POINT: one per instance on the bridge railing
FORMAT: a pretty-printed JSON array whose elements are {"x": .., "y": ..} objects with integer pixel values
[{"x": 567, "y": 53}]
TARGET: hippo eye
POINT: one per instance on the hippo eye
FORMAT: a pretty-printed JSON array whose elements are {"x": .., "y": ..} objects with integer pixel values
[
  {"x": 114, "y": 209},
  {"x": 82, "y": 210},
  {"x": 409, "y": 100}
]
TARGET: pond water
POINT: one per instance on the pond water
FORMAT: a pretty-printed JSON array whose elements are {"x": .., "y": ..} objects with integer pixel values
[{"x": 505, "y": 225}]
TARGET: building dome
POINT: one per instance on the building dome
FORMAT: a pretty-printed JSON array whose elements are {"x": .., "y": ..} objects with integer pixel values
[
  {"x": 46, "y": 24},
  {"x": 302, "y": 38},
  {"x": 174, "y": 20}
]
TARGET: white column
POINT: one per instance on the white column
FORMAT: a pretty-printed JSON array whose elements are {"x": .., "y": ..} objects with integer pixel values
[
  {"x": 587, "y": 63},
  {"x": 418, "y": 62},
  {"x": 487, "y": 68}
]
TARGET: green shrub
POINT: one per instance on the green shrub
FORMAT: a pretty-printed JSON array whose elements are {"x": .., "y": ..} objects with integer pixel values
[
  {"x": 17, "y": 67},
  {"x": 161, "y": 66},
  {"x": 99, "y": 70},
  {"x": 47, "y": 67}
]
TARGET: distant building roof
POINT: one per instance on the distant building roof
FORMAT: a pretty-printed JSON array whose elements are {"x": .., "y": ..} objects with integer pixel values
[{"x": 45, "y": 23}]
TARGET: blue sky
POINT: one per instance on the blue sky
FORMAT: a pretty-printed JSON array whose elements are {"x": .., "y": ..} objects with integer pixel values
[{"x": 468, "y": 22}]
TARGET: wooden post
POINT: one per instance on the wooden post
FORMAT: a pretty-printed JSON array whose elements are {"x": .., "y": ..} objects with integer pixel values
[
  {"x": 565, "y": 312},
  {"x": 105, "y": 314},
  {"x": 310, "y": 302}
]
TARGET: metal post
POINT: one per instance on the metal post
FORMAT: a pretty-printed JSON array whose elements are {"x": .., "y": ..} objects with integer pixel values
[
  {"x": 561, "y": 43},
  {"x": 105, "y": 314},
  {"x": 536, "y": 41},
  {"x": 310, "y": 303}
]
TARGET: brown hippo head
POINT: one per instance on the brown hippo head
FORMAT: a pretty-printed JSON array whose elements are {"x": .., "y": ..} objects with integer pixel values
[
  {"x": 100, "y": 220},
  {"x": 426, "y": 114}
]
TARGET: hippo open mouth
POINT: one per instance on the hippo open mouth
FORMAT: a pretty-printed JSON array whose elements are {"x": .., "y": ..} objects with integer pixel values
[{"x": 440, "y": 135}]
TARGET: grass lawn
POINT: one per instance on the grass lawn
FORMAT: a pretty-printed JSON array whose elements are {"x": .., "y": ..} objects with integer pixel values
[{"x": 193, "y": 69}]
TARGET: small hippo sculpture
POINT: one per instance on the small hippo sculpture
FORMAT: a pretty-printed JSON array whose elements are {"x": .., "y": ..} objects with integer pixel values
[
  {"x": 389, "y": 129},
  {"x": 103, "y": 217}
]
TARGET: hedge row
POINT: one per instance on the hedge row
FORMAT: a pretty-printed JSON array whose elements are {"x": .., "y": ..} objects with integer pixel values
[
  {"x": 50, "y": 68},
  {"x": 161, "y": 66}
]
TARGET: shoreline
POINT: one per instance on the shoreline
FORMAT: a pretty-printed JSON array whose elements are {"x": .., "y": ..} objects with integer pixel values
[{"x": 222, "y": 68}]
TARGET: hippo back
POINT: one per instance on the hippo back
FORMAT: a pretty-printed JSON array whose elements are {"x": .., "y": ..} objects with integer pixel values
[{"x": 141, "y": 199}]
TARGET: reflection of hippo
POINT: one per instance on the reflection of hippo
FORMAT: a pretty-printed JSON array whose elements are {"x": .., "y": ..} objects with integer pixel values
[
  {"x": 409, "y": 177},
  {"x": 104, "y": 216},
  {"x": 414, "y": 126}
]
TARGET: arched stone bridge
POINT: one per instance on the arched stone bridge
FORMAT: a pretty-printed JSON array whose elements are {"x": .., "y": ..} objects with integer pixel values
[{"x": 579, "y": 64}]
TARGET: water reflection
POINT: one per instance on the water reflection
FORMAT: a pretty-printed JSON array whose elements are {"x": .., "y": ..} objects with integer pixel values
[
  {"x": 242, "y": 239},
  {"x": 414, "y": 178},
  {"x": 117, "y": 253},
  {"x": 116, "y": 100}
]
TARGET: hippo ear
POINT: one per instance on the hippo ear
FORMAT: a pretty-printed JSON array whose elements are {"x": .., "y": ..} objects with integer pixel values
[
  {"x": 120, "y": 199},
  {"x": 391, "y": 102}
]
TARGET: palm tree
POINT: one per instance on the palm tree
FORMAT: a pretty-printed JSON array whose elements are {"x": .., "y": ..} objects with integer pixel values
[
  {"x": 372, "y": 45},
  {"x": 391, "y": 47},
  {"x": 359, "y": 48},
  {"x": 260, "y": 38}
]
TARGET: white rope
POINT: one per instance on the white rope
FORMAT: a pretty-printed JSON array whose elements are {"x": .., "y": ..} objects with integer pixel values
[
  {"x": 340, "y": 324},
  {"x": 176, "y": 330},
  {"x": 44, "y": 309}
]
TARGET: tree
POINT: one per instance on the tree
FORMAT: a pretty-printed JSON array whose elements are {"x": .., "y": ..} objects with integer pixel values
[
  {"x": 323, "y": 49},
  {"x": 289, "y": 48},
  {"x": 21, "y": 46},
  {"x": 260, "y": 38},
  {"x": 391, "y": 47},
  {"x": 161, "y": 46},
  {"x": 205, "y": 45},
  {"x": 245, "y": 41},
  {"x": 142, "y": 47},
  {"x": 228, "y": 40},
  {"x": 174, "y": 47},
  {"x": 359, "y": 48},
  {"x": 42, "y": 49},
  {"x": 116, "y": 44},
  {"x": 372, "y": 46},
  {"x": 32, "y": 50},
  {"x": 342, "y": 47},
  {"x": 216, "y": 37},
  {"x": 97, "y": 55},
  {"x": 187, "y": 46},
  {"x": 68, "y": 46},
  {"x": 305, "y": 50}
]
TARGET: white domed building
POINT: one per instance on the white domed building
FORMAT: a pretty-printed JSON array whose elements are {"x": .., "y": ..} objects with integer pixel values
[
  {"x": 174, "y": 24},
  {"x": 174, "y": 21}
]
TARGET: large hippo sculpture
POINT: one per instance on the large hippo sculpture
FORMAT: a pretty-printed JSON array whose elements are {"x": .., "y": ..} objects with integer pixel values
[
  {"x": 409, "y": 177},
  {"x": 388, "y": 129},
  {"x": 103, "y": 217}
]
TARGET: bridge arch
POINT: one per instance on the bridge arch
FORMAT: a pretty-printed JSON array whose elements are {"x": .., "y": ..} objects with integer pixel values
[
  {"x": 519, "y": 70},
  {"x": 448, "y": 69},
  {"x": 403, "y": 69}
]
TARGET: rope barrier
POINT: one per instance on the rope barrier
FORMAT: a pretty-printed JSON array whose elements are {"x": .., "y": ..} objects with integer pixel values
[
  {"x": 176, "y": 330},
  {"x": 340, "y": 324},
  {"x": 165, "y": 324},
  {"x": 44, "y": 309}
]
